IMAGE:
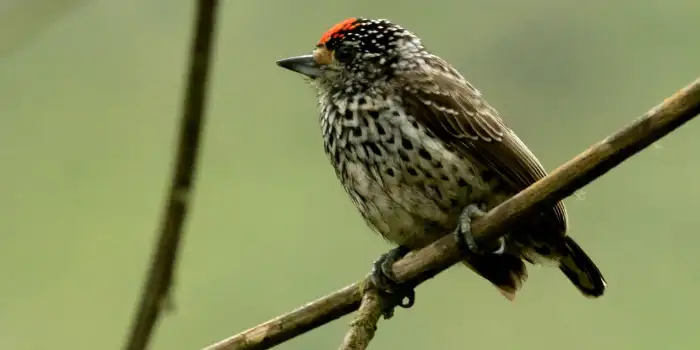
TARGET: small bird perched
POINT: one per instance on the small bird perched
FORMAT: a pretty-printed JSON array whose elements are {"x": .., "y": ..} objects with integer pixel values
[{"x": 422, "y": 154}]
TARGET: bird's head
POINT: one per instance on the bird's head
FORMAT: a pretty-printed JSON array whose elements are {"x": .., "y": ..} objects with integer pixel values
[{"x": 359, "y": 53}]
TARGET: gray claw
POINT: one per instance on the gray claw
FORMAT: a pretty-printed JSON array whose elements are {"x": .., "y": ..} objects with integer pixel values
[
  {"x": 464, "y": 236},
  {"x": 385, "y": 281}
]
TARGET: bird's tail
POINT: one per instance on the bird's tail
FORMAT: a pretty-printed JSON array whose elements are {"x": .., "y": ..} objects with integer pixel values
[
  {"x": 581, "y": 270},
  {"x": 507, "y": 272}
]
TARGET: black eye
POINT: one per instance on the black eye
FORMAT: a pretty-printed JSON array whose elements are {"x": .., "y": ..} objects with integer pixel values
[{"x": 345, "y": 53}]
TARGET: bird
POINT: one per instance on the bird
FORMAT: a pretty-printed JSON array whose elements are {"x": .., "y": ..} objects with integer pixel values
[{"x": 421, "y": 154}]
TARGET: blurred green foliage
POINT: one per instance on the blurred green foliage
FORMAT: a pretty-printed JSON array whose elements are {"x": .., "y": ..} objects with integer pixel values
[{"x": 89, "y": 99}]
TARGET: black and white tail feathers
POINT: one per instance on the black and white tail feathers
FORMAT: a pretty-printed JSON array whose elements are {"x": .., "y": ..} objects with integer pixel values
[
  {"x": 508, "y": 272},
  {"x": 581, "y": 270}
]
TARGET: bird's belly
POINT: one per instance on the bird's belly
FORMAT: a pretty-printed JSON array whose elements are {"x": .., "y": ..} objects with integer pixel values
[
  {"x": 414, "y": 202},
  {"x": 408, "y": 184}
]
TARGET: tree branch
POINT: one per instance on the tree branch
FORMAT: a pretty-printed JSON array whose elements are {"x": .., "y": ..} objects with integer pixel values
[
  {"x": 160, "y": 276},
  {"x": 427, "y": 262},
  {"x": 364, "y": 325}
]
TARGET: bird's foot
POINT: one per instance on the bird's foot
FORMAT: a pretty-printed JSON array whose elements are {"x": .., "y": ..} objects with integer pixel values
[
  {"x": 384, "y": 279},
  {"x": 465, "y": 240}
]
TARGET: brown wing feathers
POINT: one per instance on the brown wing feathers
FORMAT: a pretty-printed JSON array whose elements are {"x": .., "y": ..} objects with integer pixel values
[{"x": 455, "y": 111}]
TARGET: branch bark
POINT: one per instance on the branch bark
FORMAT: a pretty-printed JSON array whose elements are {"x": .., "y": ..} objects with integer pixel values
[
  {"x": 427, "y": 262},
  {"x": 364, "y": 325},
  {"x": 155, "y": 295}
]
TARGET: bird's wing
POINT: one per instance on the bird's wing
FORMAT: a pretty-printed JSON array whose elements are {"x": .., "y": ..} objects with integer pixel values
[{"x": 454, "y": 110}]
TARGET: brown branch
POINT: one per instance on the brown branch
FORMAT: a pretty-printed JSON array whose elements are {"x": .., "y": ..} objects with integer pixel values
[
  {"x": 425, "y": 263},
  {"x": 364, "y": 324},
  {"x": 160, "y": 275}
]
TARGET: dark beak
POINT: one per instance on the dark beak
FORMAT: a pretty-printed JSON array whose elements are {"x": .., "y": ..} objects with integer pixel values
[{"x": 306, "y": 65}]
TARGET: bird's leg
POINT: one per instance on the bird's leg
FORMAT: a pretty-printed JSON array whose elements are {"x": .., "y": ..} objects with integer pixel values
[
  {"x": 386, "y": 282},
  {"x": 465, "y": 240}
]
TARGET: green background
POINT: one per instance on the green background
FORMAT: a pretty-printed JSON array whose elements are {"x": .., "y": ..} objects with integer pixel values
[{"x": 89, "y": 99}]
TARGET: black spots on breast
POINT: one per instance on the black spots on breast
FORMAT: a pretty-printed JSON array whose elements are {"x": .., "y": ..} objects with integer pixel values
[
  {"x": 404, "y": 156},
  {"x": 330, "y": 142},
  {"x": 336, "y": 158},
  {"x": 390, "y": 172},
  {"x": 406, "y": 144},
  {"x": 380, "y": 129},
  {"x": 357, "y": 132},
  {"x": 423, "y": 153},
  {"x": 461, "y": 182},
  {"x": 373, "y": 148},
  {"x": 412, "y": 171},
  {"x": 444, "y": 177},
  {"x": 374, "y": 114}
]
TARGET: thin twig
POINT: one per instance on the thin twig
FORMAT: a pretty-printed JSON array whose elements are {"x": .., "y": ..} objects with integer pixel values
[
  {"x": 364, "y": 324},
  {"x": 157, "y": 289},
  {"x": 426, "y": 262}
]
